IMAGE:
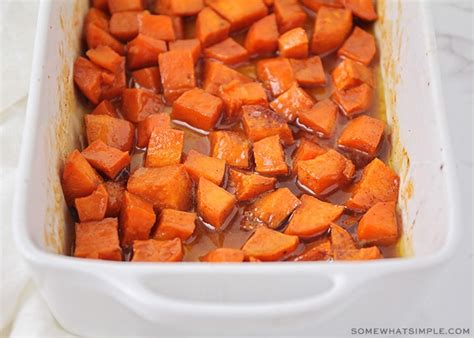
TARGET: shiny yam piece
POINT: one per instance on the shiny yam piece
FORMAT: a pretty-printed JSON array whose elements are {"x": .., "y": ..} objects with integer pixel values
[
  {"x": 309, "y": 72},
  {"x": 228, "y": 51},
  {"x": 247, "y": 186},
  {"x": 289, "y": 15},
  {"x": 92, "y": 207},
  {"x": 224, "y": 255},
  {"x": 231, "y": 147},
  {"x": 211, "y": 28},
  {"x": 236, "y": 94},
  {"x": 217, "y": 74},
  {"x": 137, "y": 104},
  {"x": 98, "y": 240},
  {"x": 349, "y": 74},
  {"x": 331, "y": 27},
  {"x": 359, "y": 46},
  {"x": 307, "y": 150},
  {"x": 177, "y": 73},
  {"x": 143, "y": 51},
  {"x": 164, "y": 148},
  {"x": 136, "y": 218},
  {"x": 214, "y": 204},
  {"x": 145, "y": 127},
  {"x": 148, "y": 78},
  {"x": 292, "y": 102},
  {"x": 198, "y": 165},
  {"x": 293, "y": 44},
  {"x": 175, "y": 223},
  {"x": 276, "y": 75},
  {"x": 240, "y": 13},
  {"x": 364, "y": 134},
  {"x": 152, "y": 250},
  {"x": 355, "y": 100},
  {"x": 114, "y": 132},
  {"x": 179, "y": 7},
  {"x": 262, "y": 37},
  {"x": 270, "y": 157},
  {"x": 321, "y": 118},
  {"x": 269, "y": 245},
  {"x": 191, "y": 45},
  {"x": 379, "y": 225},
  {"x": 107, "y": 160}
]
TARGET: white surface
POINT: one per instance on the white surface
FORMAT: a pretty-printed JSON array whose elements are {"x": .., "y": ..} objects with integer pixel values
[{"x": 451, "y": 292}]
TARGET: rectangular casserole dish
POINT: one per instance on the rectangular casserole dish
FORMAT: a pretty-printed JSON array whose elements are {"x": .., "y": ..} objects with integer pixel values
[{"x": 96, "y": 298}]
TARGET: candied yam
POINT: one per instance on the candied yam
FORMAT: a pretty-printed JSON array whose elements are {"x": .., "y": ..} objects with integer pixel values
[
  {"x": 227, "y": 51},
  {"x": 360, "y": 47},
  {"x": 289, "y": 15},
  {"x": 105, "y": 57},
  {"x": 98, "y": 240},
  {"x": 224, "y": 255},
  {"x": 137, "y": 104},
  {"x": 313, "y": 217},
  {"x": 191, "y": 45},
  {"x": 97, "y": 36},
  {"x": 363, "y": 133},
  {"x": 331, "y": 28},
  {"x": 79, "y": 179},
  {"x": 379, "y": 183},
  {"x": 210, "y": 27},
  {"x": 276, "y": 75},
  {"x": 306, "y": 150},
  {"x": 217, "y": 74},
  {"x": 159, "y": 27},
  {"x": 293, "y": 44},
  {"x": 143, "y": 52},
  {"x": 198, "y": 109},
  {"x": 269, "y": 245},
  {"x": 248, "y": 185},
  {"x": 112, "y": 131},
  {"x": 136, "y": 218},
  {"x": 177, "y": 73},
  {"x": 96, "y": 17},
  {"x": 214, "y": 204},
  {"x": 379, "y": 225},
  {"x": 363, "y": 9},
  {"x": 260, "y": 122},
  {"x": 166, "y": 187},
  {"x": 262, "y": 37},
  {"x": 117, "y": 83},
  {"x": 115, "y": 192},
  {"x": 355, "y": 100},
  {"x": 124, "y": 25},
  {"x": 321, "y": 118},
  {"x": 362, "y": 254},
  {"x": 148, "y": 78},
  {"x": 158, "y": 251},
  {"x": 145, "y": 127},
  {"x": 103, "y": 5},
  {"x": 349, "y": 74},
  {"x": 88, "y": 77},
  {"x": 107, "y": 160},
  {"x": 125, "y": 5},
  {"x": 270, "y": 157},
  {"x": 231, "y": 147},
  {"x": 178, "y": 27},
  {"x": 309, "y": 72},
  {"x": 179, "y": 7},
  {"x": 319, "y": 250},
  {"x": 315, "y": 5},
  {"x": 292, "y": 102},
  {"x": 164, "y": 148},
  {"x": 341, "y": 240},
  {"x": 199, "y": 165},
  {"x": 240, "y": 13},
  {"x": 105, "y": 108},
  {"x": 92, "y": 207},
  {"x": 175, "y": 223},
  {"x": 271, "y": 210}
]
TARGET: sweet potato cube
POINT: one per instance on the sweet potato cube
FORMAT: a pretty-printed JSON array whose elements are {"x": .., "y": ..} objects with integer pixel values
[
  {"x": 271, "y": 210},
  {"x": 98, "y": 240},
  {"x": 217, "y": 74},
  {"x": 115, "y": 191},
  {"x": 289, "y": 15},
  {"x": 313, "y": 217},
  {"x": 79, "y": 179},
  {"x": 294, "y": 44},
  {"x": 235, "y": 94},
  {"x": 214, "y": 204},
  {"x": 105, "y": 108},
  {"x": 260, "y": 122},
  {"x": 105, "y": 57},
  {"x": 92, "y": 207},
  {"x": 143, "y": 52},
  {"x": 178, "y": 26},
  {"x": 124, "y": 25},
  {"x": 240, "y": 13},
  {"x": 125, "y": 5},
  {"x": 107, "y": 160},
  {"x": 138, "y": 104},
  {"x": 362, "y": 254},
  {"x": 177, "y": 73},
  {"x": 136, "y": 218},
  {"x": 379, "y": 225},
  {"x": 167, "y": 187},
  {"x": 230, "y": 146},
  {"x": 379, "y": 183},
  {"x": 97, "y": 17},
  {"x": 363, "y": 9},
  {"x": 319, "y": 250},
  {"x": 199, "y": 165},
  {"x": 315, "y": 5},
  {"x": 248, "y": 185},
  {"x": 355, "y": 100},
  {"x": 309, "y": 72},
  {"x": 164, "y": 148},
  {"x": 306, "y": 150},
  {"x": 292, "y": 102},
  {"x": 175, "y": 223},
  {"x": 227, "y": 51},
  {"x": 179, "y": 7},
  {"x": 158, "y": 251},
  {"x": 145, "y": 127},
  {"x": 103, "y": 5},
  {"x": 224, "y": 255},
  {"x": 97, "y": 36},
  {"x": 331, "y": 28},
  {"x": 114, "y": 82},
  {"x": 191, "y": 45},
  {"x": 360, "y": 47},
  {"x": 276, "y": 75},
  {"x": 211, "y": 27},
  {"x": 269, "y": 245},
  {"x": 349, "y": 74},
  {"x": 198, "y": 109},
  {"x": 363, "y": 133},
  {"x": 341, "y": 240},
  {"x": 112, "y": 131},
  {"x": 88, "y": 77},
  {"x": 262, "y": 37},
  {"x": 270, "y": 157},
  {"x": 148, "y": 78},
  {"x": 159, "y": 27},
  {"x": 321, "y": 118}
]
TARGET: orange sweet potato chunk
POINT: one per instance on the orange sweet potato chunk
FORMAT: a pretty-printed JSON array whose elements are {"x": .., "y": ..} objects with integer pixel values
[
  {"x": 315, "y": 5},
  {"x": 178, "y": 26},
  {"x": 105, "y": 108},
  {"x": 125, "y": 5},
  {"x": 124, "y": 25},
  {"x": 262, "y": 37},
  {"x": 158, "y": 251},
  {"x": 92, "y": 207},
  {"x": 145, "y": 127},
  {"x": 177, "y": 73},
  {"x": 112, "y": 131},
  {"x": 355, "y": 100},
  {"x": 97, "y": 36},
  {"x": 191, "y": 45},
  {"x": 199, "y": 165},
  {"x": 270, "y": 157},
  {"x": 88, "y": 77},
  {"x": 115, "y": 191},
  {"x": 214, "y": 204},
  {"x": 363, "y": 133},
  {"x": 103, "y": 5},
  {"x": 306, "y": 150},
  {"x": 107, "y": 160},
  {"x": 349, "y": 74},
  {"x": 379, "y": 183},
  {"x": 224, "y": 255},
  {"x": 341, "y": 240},
  {"x": 217, "y": 74},
  {"x": 363, "y": 9},
  {"x": 210, "y": 27},
  {"x": 240, "y": 13},
  {"x": 148, "y": 78},
  {"x": 198, "y": 109},
  {"x": 269, "y": 245},
  {"x": 137, "y": 104},
  {"x": 97, "y": 17},
  {"x": 79, "y": 179},
  {"x": 235, "y": 94},
  {"x": 159, "y": 27},
  {"x": 230, "y": 146},
  {"x": 248, "y": 185},
  {"x": 164, "y": 148},
  {"x": 175, "y": 223},
  {"x": 136, "y": 218},
  {"x": 289, "y": 15},
  {"x": 98, "y": 240},
  {"x": 362, "y": 254},
  {"x": 360, "y": 47},
  {"x": 167, "y": 187},
  {"x": 227, "y": 51},
  {"x": 276, "y": 75},
  {"x": 321, "y": 118},
  {"x": 143, "y": 52},
  {"x": 309, "y": 72},
  {"x": 379, "y": 225},
  {"x": 271, "y": 210},
  {"x": 294, "y": 44},
  {"x": 179, "y": 7},
  {"x": 319, "y": 250},
  {"x": 313, "y": 217},
  {"x": 292, "y": 102},
  {"x": 331, "y": 28},
  {"x": 260, "y": 122},
  {"x": 105, "y": 57}
]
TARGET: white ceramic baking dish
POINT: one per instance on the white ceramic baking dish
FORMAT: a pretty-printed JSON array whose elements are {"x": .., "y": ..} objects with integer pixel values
[{"x": 96, "y": 298}]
